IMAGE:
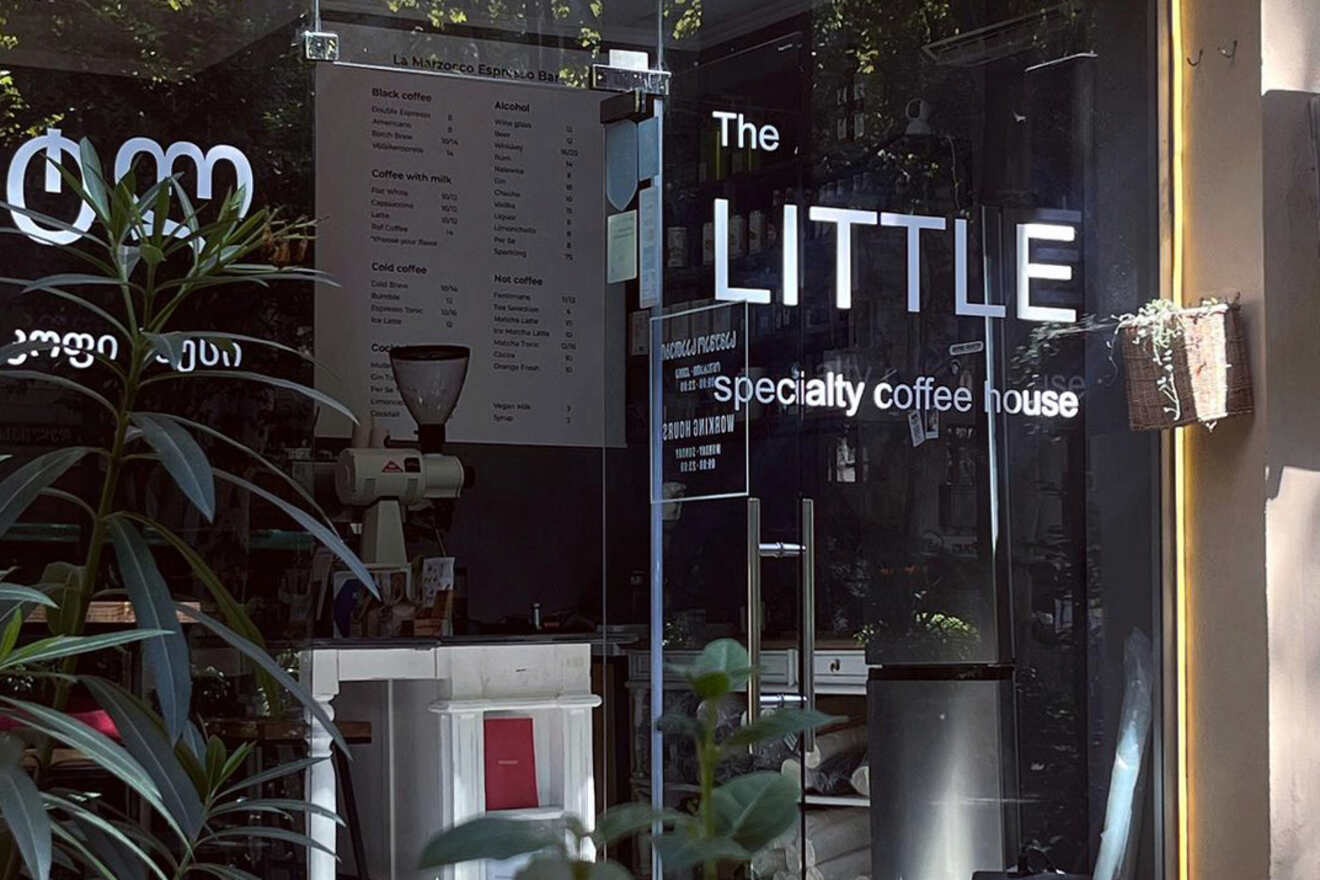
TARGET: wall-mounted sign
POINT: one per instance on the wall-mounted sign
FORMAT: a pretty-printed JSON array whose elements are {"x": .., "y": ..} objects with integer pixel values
[
  {"x": 703, "y": 438},
  {"x": 465, "y": 212},
  {"x": 430, "y": 52}
]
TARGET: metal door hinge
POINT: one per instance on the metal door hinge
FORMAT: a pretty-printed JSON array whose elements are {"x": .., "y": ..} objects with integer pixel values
[
  {"x": 609, "y": 78},
  {"x": 320, "y": 46}
]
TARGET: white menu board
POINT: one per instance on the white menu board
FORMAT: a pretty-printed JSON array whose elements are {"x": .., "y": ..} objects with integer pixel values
[{"x": 462, "y": 212}]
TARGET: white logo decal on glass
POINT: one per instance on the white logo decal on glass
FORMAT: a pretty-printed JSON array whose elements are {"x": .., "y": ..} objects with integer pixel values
[{"x": 53, "y": 146}]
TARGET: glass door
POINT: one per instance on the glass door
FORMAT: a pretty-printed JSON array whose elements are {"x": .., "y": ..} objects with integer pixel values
[
  {"x": 909, "y": 217},
  {"x": 735, "y": 528}
]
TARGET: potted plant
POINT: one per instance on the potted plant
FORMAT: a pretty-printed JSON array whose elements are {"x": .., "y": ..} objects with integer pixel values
[
  {"x": 1184, "y": 365},
  {"x": 140, "y": 267}
]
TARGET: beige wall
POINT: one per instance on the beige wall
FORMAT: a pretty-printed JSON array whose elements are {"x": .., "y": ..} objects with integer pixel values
[
  {"x": 1291, "y": 30},
  {"x": 1254, "y": 524},
  {"x": 1292, "y": 503},
  {"x": 1228, "y": 699}
]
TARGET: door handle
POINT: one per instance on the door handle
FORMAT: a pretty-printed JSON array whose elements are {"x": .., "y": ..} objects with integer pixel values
[
  {"x": 808, "y": 557},
  {"x": 754, "y": 607},
  {"x": 806, "y": 554}
]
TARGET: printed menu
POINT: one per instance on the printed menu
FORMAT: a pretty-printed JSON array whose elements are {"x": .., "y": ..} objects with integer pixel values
[{"x": 462, "y": 212}]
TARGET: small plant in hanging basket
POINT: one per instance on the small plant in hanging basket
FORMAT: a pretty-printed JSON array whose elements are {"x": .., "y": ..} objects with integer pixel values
[{"x": 1184, "y": 365}]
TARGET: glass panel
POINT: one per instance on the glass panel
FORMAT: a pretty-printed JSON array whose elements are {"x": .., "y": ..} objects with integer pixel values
[
  {"x": 454, "y": 161},
  {"x": 549, "y": 539},
  {"x": 933, "y": 213}
]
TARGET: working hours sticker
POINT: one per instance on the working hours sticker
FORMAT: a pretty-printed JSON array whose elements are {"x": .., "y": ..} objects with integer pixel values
[{"x": 703, "y": 439}]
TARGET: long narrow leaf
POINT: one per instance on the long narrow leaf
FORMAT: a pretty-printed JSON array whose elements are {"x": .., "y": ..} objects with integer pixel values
[
  {"x": 277, "y": 805},
  {"x": 52, "y": 222},
  {"x": 70, "y": 498},
  {"x": 69, "y": 250},
  {"x": 147, "y": 840},
  {"x": 107, "y": 754},
  {"x": 247, "y": 375},
  {"x": 17, "y": 593},
  {"x": 59, "y": 858},
  {"x": 193, "y": 740},
  {"x": 24, "y": 813},
  {"x": 231, "y": 610},
  {"x": 270, "y": 466},
  {"x": 246, "y": 832},
  {"x": 56, "y": 647},
  {"x": 79, "y": 847},
  {"x": 73, "y": 279},
  {"x": 23, "y": 486},
  {"x": 108, "y": 840},
  {"x": 166, "y": 658},
  {"x": 146, "y": 741},
  {"x": 277, "y": 772},
  {"x": 326, "y": 536},
  {"x": 61, "y": 381},
  {"x": 224, "y": 872},
  {"x": 109, "y": 852},
  {"x": 170, "y": 349},
  {"x": 183, "y": 459},
  {"x": 93, "y": 180},
  {"x": 237, "y": 758},
  {"x": 12, "y": 630},
  {"x": 27, "y": 347},
  {"x": 71, "y": 297},
  {"x": 266, "y": 662}
]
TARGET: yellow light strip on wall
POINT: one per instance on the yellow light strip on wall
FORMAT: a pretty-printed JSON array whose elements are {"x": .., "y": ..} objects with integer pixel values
[{"x": 1180, "y": 456}]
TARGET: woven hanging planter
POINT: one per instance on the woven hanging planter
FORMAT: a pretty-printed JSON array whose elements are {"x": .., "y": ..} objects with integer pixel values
[{"x": 1185, "y": 366}]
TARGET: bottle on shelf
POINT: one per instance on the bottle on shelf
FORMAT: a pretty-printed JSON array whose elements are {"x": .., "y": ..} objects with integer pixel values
[
  {"x": 772, "y": 223},
  {"x": 738, "y": 236},
  {"x": 755, "y": 231}
]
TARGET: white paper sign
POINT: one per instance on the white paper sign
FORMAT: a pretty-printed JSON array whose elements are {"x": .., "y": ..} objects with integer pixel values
[
  {"x": 463, "y": 212},
  {"x": 621, "y": 247}
]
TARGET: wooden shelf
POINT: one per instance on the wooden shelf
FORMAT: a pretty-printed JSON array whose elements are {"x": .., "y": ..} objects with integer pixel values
[
  {"x": 550, "y": 812},
  {"x": 104, "y": 613},
  {"x": 832, "y": 800}
]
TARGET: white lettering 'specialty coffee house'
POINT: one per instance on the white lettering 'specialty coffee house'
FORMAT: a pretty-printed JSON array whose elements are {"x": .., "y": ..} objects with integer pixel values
[{"x": 925, "y": 393}]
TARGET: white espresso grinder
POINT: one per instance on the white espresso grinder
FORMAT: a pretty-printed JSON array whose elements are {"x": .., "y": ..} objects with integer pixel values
[{"x": 385, "y": 479}]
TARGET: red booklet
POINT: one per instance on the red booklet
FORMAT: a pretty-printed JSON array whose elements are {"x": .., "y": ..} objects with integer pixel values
[{"x": 510, "y": 764}]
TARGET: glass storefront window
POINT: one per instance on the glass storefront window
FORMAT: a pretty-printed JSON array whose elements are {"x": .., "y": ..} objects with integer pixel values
[{"x": 810, "y": 348}]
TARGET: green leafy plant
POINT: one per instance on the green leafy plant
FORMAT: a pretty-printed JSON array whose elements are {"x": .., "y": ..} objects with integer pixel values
[
  {"x": 733, "y": 820},
  {"x": 142, "y": 267}
]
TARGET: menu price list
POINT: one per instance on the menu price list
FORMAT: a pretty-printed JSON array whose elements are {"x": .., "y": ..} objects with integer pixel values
[{"x": 469, "y": 213}]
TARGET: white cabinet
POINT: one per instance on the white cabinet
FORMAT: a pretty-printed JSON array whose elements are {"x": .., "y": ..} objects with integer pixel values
[{"x": 428, "y": 708}]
